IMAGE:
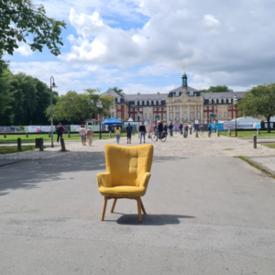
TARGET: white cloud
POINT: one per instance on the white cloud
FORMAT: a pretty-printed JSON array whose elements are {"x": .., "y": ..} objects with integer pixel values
[
  {"x": 133, "y": 88},
  {"x": 24, "y": 49},
  {"x": 210, "y": 21}
]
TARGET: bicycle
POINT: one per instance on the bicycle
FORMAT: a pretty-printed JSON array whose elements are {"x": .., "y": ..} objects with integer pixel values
[{"x": 156, "y": 137}]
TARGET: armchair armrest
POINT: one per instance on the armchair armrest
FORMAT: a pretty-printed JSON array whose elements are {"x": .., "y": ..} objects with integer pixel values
[
  {"x": 104, "y": 180},
  {"x": 145, "y": 180}
]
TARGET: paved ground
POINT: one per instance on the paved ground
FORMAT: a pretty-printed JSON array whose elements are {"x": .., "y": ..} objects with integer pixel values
[{"x": 208, "y": 213}]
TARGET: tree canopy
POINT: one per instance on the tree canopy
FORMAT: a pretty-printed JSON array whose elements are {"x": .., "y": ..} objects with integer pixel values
[
  {"x": 216, "y": 89},
  {"x": 259, "y": 101},
  {"x": 20, "y": 20},
  {"x": 118, "y": 90},
  {"x": 78, "y": 107}
]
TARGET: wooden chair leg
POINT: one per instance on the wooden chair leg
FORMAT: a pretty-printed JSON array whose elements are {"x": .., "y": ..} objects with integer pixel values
[
  {"x": 142, "y": 207},
  {"x": 104, "y": 208},
  {"x": 113, "y": 206},
  {"x": 139, "y": 209}
]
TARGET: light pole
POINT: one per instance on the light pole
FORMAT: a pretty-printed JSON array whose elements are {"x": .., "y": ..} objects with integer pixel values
[
  {"x": 235, "y": 107},
  {"x": 99, "y": 106},
  {"x": 52, "y": 85}
]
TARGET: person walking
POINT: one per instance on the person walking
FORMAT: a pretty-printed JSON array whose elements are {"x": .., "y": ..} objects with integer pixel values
[
  {"x": 90, "y": 134},
  {"x": 165, "y": 128},
  {"x": 171, "y": 129},
  {"x": 160, "y": 128},
  {"x": 83, "y": 133},
  {"x": 186, "y": 130},
  {"x": 180, "y": 128},
  {"x": 129, "y": 131},
  {"x": 142, "y": 132},
  {"x": 59, "y": 131},
  {"x": 117, "y": 132},
  {"x": 209, "y": 128}
]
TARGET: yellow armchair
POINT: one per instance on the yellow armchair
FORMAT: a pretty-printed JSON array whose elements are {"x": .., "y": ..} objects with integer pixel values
[{"x": 127, "y": 174}]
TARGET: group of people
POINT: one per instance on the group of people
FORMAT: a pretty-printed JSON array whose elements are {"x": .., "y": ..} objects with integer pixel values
[{"x": 86, "y": 134}]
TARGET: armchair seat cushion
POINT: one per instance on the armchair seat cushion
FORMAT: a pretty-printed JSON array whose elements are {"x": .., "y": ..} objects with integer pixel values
[{"x": 122, "y": 191}]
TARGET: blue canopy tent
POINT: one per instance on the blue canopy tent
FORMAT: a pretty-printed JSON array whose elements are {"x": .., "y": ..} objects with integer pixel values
[{"x": 111, "y": 121}]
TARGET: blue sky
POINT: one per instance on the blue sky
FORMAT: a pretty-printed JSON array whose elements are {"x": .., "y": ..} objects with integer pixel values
[{"x": 142, "y": 45}]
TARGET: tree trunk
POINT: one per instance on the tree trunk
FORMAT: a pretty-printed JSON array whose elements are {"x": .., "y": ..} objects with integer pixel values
[{"x": 268, "y": 124}]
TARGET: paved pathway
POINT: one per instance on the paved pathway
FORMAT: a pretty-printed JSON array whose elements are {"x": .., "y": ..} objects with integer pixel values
[{"x": 174, "y": 146}]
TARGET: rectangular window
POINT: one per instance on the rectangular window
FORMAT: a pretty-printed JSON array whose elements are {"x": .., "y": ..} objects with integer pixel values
[
  {"x": 192, "y": 115},
  {"x": 171, "y": 108},
  {"x": 164, "y": 109},
  {"x": 140, "y": 109},
  {"x": 131, "y": 109},
  {"x": 229, "y": 115},
  {"x": 220, "y": 107},
  {"x": 119, "y": 107},
  {"x": 136, "y": 103},
  {"x": 150, "y": 117},
  {"x": 220, "y": 115},
  {"x": 177, "y": 108},
  {"x": 159, "y": 109},
  {"x": 178, "y": 116},
  {"x": 199, "y": 115},
  {"x": 177, "y": 93},
  {"x": 164, "y": 116},
  {"x": 205, "y": 115},
  {"x": 155, "y": 102},
  {"x": 145, "y": 116},
  {"x": 136, "y": 117},
  {"x": 118, "y": 114},
  {"x": 150, "y": 109},
  {"x": 184, "y": 116},
  {"x": 135, "y": 109},
  {"x": 140, "y": 117},
  {"x": 145, "y": 102},
  {"x": 113, "y": 114},
  {"x": 224, "y": 115},
  {"x": 205, "y": 108},
  {"x": 184, "y": 107},
  {"x": 113, "y": 107},
  {"x": 159, "y": 116},
  {"x": 171, "y": 116},
  {"x": 155, "y": 109},
  {"x": 210, "y": 107},
  {"x": 118, "y": 99},
  {"x": 215, "y": 107},
  {"x": 145, "y": 109},
  {"x": 199, "y": 107},
  {"x": 229, "y": 107},
  {"x": 191, "y": 108}
]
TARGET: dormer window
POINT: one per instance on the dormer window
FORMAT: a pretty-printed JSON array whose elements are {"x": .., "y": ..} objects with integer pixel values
[
  {"x": 145, "y": 102},
  {"x": 118, "y": 99},
  {"x": 155, "y": 102},
  {"x": 136, "y": 103},
  {"x": 140, "y": 103},
  {"x": 177, "y": 93},
  {"x": 191, "y": 93}
]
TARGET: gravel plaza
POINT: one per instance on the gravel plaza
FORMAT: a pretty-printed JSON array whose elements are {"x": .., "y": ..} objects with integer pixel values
[{"x": 208, "y": 212}]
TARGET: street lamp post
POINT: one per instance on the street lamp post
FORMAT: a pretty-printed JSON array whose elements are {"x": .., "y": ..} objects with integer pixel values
[
  {"x": 52, "y": 85},
  {"x": 99, "y": 106},
  {"x": 235, "y": 107}
]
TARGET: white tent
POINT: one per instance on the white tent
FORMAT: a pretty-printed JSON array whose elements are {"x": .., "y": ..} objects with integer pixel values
[
  {"x": 130, "y": 119},
  {"x": 247, "y": 119}
]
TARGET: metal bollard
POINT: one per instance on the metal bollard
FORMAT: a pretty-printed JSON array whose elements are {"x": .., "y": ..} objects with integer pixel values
[
  {"x": 258, "y": 132},
  {"x": 197, "y": 134},
  {"x": 37, "y": 143},
  {"x": 41, "y": 145},
  {"x": 49, "y": 134},
  {"x": 110, "y": 134},
  {"x": 27, "y": 135},
  {"x": 19, "y": 148},
  {"x": 255, "y": 142},
  {"x": 190, "y": 131},
  {"x": 63, "y": 148},
  {"x": 69, "y": 134},
  {"x": 5, "y": 135},
  {"x": 218, "y": 133},
  {"x": 229, "y": 133}
]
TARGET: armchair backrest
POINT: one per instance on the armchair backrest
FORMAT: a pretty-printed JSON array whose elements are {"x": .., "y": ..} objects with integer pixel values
[{"x": 127, "y": 165}]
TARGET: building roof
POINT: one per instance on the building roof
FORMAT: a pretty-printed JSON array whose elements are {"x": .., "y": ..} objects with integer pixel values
[
  {"x": 184, "y": 89},
  {"x": 113, "y": 93},
  {"x": 135, "y": 97},
  {"x": 212, "y": 95}
]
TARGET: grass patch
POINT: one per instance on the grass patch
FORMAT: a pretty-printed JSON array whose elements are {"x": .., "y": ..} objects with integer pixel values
[
  {"x": 249, "y": 133},
  {"x": 45, "y": 136},
  {"x": 229, "y": 149},
  {"x": 13, "y": 149},
  {"x": 269, "y": 145},
  {"x": 257, "y": 166}
]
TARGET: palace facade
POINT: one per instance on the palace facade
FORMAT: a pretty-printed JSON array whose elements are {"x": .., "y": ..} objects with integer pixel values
[{"x": 181, "y": 105}]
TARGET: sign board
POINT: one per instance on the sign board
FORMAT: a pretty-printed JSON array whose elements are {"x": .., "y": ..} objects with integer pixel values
[
  {"x": 32, "y": 129},
  {"x": 5, "y": 129}
]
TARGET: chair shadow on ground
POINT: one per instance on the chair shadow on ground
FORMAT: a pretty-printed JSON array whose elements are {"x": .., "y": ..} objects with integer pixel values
[{"x": 151, "y": 219}]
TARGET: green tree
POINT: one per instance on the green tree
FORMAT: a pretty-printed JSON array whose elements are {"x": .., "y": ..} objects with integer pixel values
[
  {"x": 74, "y": 107},
  {"x": 5, "y": 94},
  {"x": 259, "y": 101},
  {"x": 20, "y": 18},
  {"x": 216, "y": 89},
  {"x": 116, "y": 89}
]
